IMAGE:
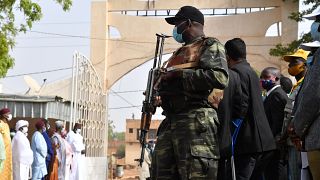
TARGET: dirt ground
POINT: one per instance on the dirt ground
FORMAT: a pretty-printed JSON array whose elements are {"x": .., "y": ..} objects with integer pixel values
[{"x": 129, "y": 174}]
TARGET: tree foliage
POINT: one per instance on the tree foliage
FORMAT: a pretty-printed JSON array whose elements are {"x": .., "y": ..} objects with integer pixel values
[
  {"x": 9, "y": 28},
  {"x": 110, "y": 130},
  {"x": 121, "y": 151},
  {"x": 281, "y": 49}
]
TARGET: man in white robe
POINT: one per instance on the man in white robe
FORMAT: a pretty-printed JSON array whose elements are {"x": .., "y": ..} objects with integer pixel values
[
  {"x": 22, "y": 155},
  {"x": 76, "y": 141},
  {"x": 39, "y": 148}
]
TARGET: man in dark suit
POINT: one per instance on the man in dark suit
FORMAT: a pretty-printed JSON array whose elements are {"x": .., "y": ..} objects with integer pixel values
[
  {"x": 255, "y": 141},
  {"x": 229, "y": 109},
  {"x": 274, "y": 106}
]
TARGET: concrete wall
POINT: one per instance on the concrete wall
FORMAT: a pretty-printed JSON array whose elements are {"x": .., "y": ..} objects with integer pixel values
[
  {"x": 132, "y": 153},
  {"x": 133, "y": 148},
  {"x": 95, "y": 168}
]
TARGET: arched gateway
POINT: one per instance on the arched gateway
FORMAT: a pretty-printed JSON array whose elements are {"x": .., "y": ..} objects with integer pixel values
[
  {"x": 123, "y": 37},
  {"x": 137, "y": 21}
]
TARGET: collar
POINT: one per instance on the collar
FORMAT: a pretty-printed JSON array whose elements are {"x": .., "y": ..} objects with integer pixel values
[
  {"x": 272, "y": 89},
  {"x": 195, "y": 40},
  {"x": 297, "y": 84}
]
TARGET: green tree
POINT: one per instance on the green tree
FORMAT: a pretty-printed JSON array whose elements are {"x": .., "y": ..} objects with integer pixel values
[
  {"x": 284, "y": 49},
  {"x": 110, "y": 130},
  {"x": 120, "y": 136},
  {"x": 9, "y": 28},
  {"x": 121, "y": 151}
]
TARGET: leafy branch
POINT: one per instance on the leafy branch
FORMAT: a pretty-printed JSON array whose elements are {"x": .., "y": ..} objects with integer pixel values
[
  {"x": 9, "y": 28},
  {"x": 281, "y": 49}
]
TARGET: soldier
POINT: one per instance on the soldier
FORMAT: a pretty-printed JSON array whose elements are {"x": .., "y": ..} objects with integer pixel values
[{"x": 187, "y": 145}]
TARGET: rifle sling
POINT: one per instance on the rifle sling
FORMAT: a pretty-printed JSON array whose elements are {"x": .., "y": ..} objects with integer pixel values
[{"x": 183, "y": 66}]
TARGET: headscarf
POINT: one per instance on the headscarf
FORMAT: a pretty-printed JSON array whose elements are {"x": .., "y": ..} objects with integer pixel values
[{"x": 21, "y": 123}]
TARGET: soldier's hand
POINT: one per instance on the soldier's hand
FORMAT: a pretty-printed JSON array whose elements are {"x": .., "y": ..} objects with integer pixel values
[{"x": 157, "y": 101}]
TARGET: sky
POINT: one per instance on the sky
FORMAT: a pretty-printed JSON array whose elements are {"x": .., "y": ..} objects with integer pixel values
[{"x": 36, "y": 52}]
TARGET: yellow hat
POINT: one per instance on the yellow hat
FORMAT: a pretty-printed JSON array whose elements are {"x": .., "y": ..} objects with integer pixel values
[{"x": 300, "y": 53}]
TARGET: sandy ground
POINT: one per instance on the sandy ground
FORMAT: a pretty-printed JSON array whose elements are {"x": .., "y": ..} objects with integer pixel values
[{"x": 130, "y": 174}]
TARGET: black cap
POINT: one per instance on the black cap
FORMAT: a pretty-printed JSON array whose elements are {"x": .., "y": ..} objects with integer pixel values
[{"x": 185, "y": 13}]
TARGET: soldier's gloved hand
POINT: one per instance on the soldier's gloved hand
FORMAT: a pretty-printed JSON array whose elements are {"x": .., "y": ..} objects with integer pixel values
[
  {"x": 172, "y": 75},
  {"x": 157, "y": 101}
]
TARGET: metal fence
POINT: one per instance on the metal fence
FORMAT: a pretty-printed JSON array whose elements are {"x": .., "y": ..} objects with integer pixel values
[{"x": 88, "y": 105}]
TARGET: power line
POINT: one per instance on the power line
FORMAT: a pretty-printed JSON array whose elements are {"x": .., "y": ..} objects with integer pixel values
[
  {"x": 124, "y": 107},
  {"x": 57, "y": 46},
  {"x": 41, "y": 37},
  {"x": 52, "y": 70},
  {"x": 122, "y": 92},
  {"x": 39, "y": 72},
  {"x": 120, "y": 40},
  {"x": 88, "y": 37},
  {"x": 67, "y": 23},
  {"x": 124, "y": 99}
]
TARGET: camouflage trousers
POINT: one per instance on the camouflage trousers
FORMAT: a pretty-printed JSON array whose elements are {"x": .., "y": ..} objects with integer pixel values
[{"x": 187, "y": 146}]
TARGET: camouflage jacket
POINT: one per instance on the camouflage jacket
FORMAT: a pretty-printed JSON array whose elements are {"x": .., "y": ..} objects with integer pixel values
[{"x": 191, "y": 89}]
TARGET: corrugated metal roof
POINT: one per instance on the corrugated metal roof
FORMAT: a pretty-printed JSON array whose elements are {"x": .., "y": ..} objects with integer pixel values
[
  {"x": 36, "y": 106},
  {"x": 15, "y": 97}
]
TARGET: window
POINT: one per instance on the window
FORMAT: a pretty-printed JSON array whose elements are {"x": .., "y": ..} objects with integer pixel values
[
  {"x": 130, "y": 130},
  {"x": 138, "y": 134}
]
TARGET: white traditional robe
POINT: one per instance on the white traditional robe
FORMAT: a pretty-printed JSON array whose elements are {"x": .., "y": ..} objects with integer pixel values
[
  {"x": 144, "y": 171},
  {"x": 69, "y": 154},
  {"x": 39, "y": 148},
  {"x": 22, "y": 156},
  {"x": 76, "y": 142},
  {"x": 61, "y": 154}
]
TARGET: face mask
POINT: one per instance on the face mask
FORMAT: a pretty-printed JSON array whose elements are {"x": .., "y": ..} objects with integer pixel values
[
  {"x": 315, "y": 34},
  {"x": 9, "y": 117},
  {"x": 309, "y": 61},
  {"x": 63, "y": 133},
  {"x": 176, "y": 35},
  {"x": 78, "y": 131},
  {"x": 267, "y": 84},
  {"x": 295, "y": 70},
  {"x": 24, "y": 130}
]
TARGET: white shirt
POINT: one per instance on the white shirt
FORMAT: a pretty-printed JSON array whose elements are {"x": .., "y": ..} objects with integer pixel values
[{"x": 272, "y": 89}]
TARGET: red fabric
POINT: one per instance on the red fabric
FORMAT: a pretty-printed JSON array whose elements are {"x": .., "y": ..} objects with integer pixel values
[
  {"x": 4, "y": 111},
  {"x": 40, "y": 124}
]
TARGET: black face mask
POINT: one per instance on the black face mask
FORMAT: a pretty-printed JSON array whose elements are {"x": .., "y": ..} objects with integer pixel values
[{"x": 267, "y": 84}]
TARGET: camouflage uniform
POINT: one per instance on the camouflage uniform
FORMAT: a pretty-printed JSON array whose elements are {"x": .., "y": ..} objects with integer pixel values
[{"x": 187, "y": 145}]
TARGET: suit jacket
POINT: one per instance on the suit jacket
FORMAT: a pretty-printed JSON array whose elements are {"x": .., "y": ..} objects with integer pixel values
[
  {"x": 274, "y": 105},
  {"x": 228, "y": 110},
  {"x": 255, "y": 134},
  {"x": 306, "y": 118}
]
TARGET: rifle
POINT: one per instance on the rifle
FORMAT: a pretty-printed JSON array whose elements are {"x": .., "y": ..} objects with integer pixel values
[{"x": 148, "y": 107}]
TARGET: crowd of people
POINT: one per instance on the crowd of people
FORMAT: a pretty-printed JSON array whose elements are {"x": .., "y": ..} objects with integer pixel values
[
  {"x": 253, "y": 126},
  {"x": 57, "y": 156}
]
